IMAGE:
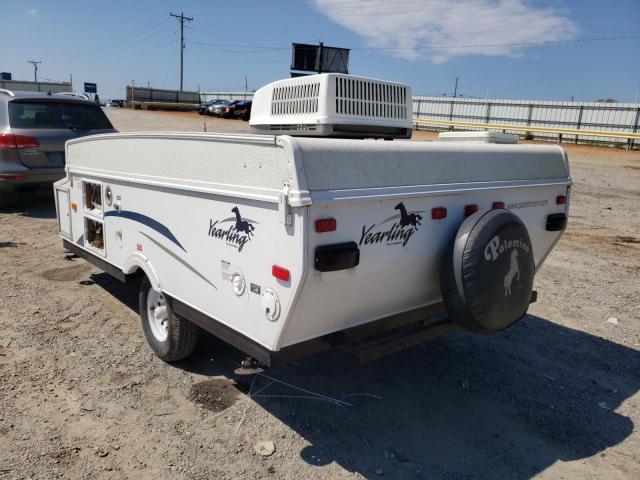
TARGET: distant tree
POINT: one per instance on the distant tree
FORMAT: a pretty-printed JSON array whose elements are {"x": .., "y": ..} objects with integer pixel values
[{"x": 607, "y": 100}]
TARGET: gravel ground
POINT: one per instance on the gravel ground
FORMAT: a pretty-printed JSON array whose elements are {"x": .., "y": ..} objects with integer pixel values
[{"x": 556, "y": 396}]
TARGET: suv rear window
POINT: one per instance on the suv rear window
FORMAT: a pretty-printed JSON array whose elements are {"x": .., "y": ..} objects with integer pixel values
[{"x": 37, "y": 114}]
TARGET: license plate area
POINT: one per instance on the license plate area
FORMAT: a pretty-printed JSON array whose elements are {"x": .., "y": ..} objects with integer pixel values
[{"x": 56, "y": 159}]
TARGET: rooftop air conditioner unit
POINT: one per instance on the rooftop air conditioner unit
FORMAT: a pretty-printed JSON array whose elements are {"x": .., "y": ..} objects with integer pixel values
[{"x": 333, "y": 105}]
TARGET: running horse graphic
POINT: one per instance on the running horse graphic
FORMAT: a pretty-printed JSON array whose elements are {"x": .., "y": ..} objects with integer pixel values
[
  {"x": 242, "y": 225},
  {"x": 407, "y": 219},
  {"x": 514, "y": 271}
]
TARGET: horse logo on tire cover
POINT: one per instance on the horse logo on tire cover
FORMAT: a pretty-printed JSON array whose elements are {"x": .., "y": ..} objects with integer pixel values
[
  {"x": 495, "y": 248},
  {"x": 514, "y": 271}
]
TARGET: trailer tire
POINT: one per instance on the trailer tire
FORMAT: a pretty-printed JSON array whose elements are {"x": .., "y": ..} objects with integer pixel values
[
  {"x": 5, "y": 199},
  {"x": 486, "y": 287},
  {"x": 170, "y": 336}
]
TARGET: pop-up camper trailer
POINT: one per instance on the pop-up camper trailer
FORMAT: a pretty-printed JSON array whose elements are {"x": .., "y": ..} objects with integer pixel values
[{"x": 314, "y": 232}]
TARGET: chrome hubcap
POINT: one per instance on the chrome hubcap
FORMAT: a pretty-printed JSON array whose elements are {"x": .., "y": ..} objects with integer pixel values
[{"x": 158, "y": 315}]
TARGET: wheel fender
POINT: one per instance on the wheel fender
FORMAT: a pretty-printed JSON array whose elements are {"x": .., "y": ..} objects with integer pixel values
[{"x": 138, "y": 261}]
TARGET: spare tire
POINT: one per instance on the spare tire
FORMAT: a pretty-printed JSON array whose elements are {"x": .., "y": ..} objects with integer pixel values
[{"x": 487, "y": 275}]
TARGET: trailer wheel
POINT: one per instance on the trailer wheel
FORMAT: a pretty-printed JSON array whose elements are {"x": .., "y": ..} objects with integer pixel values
[
  {"x": 170, "y": 336},
  {"x": 5, "y": 199}
]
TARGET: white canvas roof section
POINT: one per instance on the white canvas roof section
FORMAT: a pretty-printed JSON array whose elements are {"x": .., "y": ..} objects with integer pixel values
[
  {"x": 357, "y": 164},
  {"x": 249, "y": 166},
  {"x": 268, "y": 168}
]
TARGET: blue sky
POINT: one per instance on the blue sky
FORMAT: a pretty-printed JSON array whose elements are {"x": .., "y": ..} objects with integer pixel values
[{"x": 425, "y": 43}]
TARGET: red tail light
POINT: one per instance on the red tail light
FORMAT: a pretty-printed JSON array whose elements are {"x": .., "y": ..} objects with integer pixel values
[
  {"x": 470, "y": 210},
  {"x": 24, "y": 141},
  {"x": 438, "y": 213},
  {"x": 11, "y": 176},
  {"x": 561, "y": 200},
  {"x": 280, "y": 273},
  {"x": 498, "y": 205},
  {"x": 9, "y": 140},
  {"x": 326, "y": 225}
]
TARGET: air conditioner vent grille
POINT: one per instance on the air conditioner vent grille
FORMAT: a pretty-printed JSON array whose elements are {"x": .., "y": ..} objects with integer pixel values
[
  {"x": 295, "y": 99},
  {"x": 364, "y": 98}
]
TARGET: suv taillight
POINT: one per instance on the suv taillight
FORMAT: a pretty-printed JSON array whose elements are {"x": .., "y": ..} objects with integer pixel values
[{"x": 9, "y": 140}]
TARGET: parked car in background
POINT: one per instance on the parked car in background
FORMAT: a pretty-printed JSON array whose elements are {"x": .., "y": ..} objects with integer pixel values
[
  {"x": 34, "y": 127},
  {"x": 229, "y": 111},
  {"x": 217, "y": 109},
  {"x": 202, "y": 110},
  {"x": 115, "y": 103},
  {"x": 242, "y": 110}
]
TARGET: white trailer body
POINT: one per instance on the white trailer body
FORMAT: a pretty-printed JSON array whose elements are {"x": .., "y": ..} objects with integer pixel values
[{"x": 232, "y": 227}]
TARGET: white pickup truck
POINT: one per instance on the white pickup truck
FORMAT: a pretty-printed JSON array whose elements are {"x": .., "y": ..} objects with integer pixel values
[{"x": 315, "y": 232}]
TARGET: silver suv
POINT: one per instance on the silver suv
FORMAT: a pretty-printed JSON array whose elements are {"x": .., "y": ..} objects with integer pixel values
[{"x": 33, "y": 129}]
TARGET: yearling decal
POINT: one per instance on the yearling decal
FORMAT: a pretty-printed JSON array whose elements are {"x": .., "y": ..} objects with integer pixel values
[
  {"x": 402, "y": 229},
  {"x": 237, "y": 233}
]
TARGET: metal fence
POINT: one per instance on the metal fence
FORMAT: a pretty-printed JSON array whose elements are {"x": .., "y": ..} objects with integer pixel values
[
  {"x": 171, "y": 99},
  {"x": 145, "y": 94},
  {"x": 208, "y": 96},
  {"x": 612, "y": 117},
  {"x": 27, "y": 86}
]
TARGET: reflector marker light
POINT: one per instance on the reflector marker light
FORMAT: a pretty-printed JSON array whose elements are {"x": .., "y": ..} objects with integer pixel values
[
  {"x": 326, "y": 225},
  {"x": 470, "y": 210},
  {"x": 438, "y": 213},
  {"x": 561, "y": 200},
  {"x": 280, "y": 273},
  {"x": 498, "y": 205}
]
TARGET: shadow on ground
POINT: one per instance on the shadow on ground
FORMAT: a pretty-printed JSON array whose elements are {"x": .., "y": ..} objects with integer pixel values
[
  {"x": 34, "y": 205},
  {"x": 463, "y": 406}
]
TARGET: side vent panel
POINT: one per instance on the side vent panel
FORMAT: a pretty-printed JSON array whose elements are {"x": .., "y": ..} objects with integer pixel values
[
  {"x": 366, "y": 98},
  {"x": 295, "y": 99}
]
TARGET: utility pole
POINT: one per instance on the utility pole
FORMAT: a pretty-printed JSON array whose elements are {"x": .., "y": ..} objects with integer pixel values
[
  {"x": 320, "y": 57},
  {"x": 181, "y": 18},
  {"x": 35, "y": 68},
  {"x": 455, "y": 89}
]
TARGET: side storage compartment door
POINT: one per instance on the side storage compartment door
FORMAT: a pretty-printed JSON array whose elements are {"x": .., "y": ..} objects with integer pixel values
[
  {"x": 64, "y": 212},
  {"x": 93, "y": 214}
]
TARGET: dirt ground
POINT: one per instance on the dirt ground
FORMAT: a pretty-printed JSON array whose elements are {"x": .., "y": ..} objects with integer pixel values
[{"x": 555, "y": 396}]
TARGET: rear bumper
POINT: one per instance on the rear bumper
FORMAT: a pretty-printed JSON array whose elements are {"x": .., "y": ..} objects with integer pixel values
[{"x": 29, "y": 180}]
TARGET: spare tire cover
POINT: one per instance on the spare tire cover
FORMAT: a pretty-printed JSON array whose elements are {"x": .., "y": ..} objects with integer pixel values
[{"x": 487, "y": 275}]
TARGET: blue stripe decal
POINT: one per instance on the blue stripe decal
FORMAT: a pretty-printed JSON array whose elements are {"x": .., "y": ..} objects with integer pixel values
[
  {"x": 169, "y": 252},
  {"x": 148, "y": 221}
]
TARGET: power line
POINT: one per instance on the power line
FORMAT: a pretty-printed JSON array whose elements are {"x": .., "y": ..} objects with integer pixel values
[
  {"x": 259, "y": 48},
  {"x": 35, "y": 68},
  {"x": 181, "y": 18},
  {"x": 122, "y": 40}
]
